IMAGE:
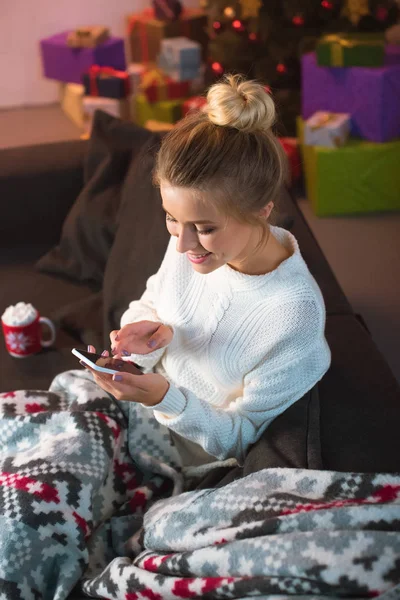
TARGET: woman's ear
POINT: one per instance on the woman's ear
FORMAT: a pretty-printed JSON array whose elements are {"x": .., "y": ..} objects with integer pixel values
[{"x": 266, "y": 210}]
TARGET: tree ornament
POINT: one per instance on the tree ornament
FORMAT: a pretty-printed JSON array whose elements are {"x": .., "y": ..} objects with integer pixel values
[
  {"x": 229, "y": 12},
  {"x": 381, "y": 13},
  {"x": 167, "y": 10},
  {"x": 253, "y": 37},
  {"x": 237, "y": 25},
  {"x": 355, "y": 9},
  {"x": 250, "y": 8},
  {"x": 298, "y": 20},
  {"x": 217, "y": 68}
]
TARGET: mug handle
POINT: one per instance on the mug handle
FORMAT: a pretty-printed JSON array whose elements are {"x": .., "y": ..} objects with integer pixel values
[{"x": 50, "y": 342}]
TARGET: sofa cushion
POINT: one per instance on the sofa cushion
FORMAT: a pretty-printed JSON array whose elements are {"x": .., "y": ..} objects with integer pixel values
[
  {"x": 35, "y": 181},
  {"x": 88, "y": 231},
  {"x": 359, "y": 402}
]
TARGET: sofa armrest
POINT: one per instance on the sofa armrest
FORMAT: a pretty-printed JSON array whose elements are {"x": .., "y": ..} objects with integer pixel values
[{"x": 38, "y": 185}]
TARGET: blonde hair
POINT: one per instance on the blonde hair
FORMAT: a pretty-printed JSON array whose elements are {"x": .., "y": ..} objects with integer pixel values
[{"x": 228, "y": 149}]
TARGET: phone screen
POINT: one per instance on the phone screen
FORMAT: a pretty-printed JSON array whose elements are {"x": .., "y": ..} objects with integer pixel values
[{"x": 115, "y": 364}]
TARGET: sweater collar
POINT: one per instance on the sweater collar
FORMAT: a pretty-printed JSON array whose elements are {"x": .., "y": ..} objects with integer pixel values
[{"x": 228, "y": 277}]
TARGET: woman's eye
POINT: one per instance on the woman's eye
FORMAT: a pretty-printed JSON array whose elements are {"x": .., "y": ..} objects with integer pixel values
[
  {"x": 200, "y": 231},
  {"x": 205, "y": 231}
]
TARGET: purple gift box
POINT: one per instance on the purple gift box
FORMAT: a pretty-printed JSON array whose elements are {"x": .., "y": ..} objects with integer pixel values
[
  {"x": 68, "y": 64},
  {"x": 370, "y": 95}
]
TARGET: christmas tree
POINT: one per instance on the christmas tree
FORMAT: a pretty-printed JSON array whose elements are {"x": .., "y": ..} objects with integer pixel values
[{"x": 265, "y": 39}]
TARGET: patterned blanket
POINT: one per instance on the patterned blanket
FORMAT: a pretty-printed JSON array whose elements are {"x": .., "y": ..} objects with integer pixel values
[{"x": 91, "y": 496}]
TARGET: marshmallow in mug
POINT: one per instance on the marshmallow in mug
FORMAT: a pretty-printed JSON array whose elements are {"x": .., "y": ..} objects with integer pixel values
[{"x": 20, "y": 314}]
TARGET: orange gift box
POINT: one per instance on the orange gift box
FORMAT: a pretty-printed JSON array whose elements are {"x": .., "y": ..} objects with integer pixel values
[{"x": 145, "y": 32}]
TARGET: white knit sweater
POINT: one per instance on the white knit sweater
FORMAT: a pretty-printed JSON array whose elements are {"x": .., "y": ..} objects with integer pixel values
[{"x": 245, "y": 347}]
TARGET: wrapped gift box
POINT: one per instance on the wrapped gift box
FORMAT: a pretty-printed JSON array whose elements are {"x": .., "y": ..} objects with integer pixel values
[
  {"x": 351, "y": 50},
  {"x": 291, "y": 148},
  {"x": 69, "y": 64},
  {"x": 145, "y": 33},
  {"x": 157, "y": 86},
  {"x": 106, "y": 82},
  {"x": 167, "y": 111},
  {"x": 327, "y": 129},
  {"x": 88, "y": 37},
  {"x": 158, "y": 126},
  {"x": 135, "y": 72},
  {"x": 371, "y": 96},
  {"x": 178, "y": 73},
  {"x": 197, "y": 85},
  {"x": 361, "y": 177},
  {"x": 115, "y": 108},
  {"x": 71, "y": 100},
  {"x": 193, "y": 104},
  {"x": 180, "y": 52}
]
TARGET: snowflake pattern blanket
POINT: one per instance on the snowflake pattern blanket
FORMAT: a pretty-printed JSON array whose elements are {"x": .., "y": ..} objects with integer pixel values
[{"x": 91, "y": 495}]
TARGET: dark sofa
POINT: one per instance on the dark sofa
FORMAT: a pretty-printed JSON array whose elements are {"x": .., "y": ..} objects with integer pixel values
[{"x": 359, "y": 396}]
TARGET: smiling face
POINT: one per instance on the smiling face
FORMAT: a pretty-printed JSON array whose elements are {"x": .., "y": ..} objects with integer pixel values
[{"x": 208, "y": 238}]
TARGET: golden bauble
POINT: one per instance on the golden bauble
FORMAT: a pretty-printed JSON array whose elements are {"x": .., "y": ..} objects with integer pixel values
[{"x": 229, "y": 12}]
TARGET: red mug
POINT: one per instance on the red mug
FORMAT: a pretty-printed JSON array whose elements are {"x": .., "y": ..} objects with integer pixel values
[{"x": 25, "y": 340}]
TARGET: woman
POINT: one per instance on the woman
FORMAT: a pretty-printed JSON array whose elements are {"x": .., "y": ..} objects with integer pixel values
[{"x": 230, "y": 330}]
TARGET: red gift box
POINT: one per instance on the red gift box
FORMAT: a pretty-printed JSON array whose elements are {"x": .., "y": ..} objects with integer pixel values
[
  {"x": 192, "y": 104},
  {"x": 291, "y": 149},
  {"x": 157, "y": 86}
]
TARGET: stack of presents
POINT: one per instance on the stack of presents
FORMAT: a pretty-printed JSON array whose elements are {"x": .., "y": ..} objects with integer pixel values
[
  {"x": 161, "y": 80},
  {"x": 350, "y": 127}
]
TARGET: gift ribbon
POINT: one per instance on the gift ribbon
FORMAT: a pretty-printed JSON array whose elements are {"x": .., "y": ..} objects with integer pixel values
[
  {"x": 96, "y": 71},
  {"x": 323, "y": 120},
  {"x": 338, "y": 44},
  {"x": 155, "y": 77}
]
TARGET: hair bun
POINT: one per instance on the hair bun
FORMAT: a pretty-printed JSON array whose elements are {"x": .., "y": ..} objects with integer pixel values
[{"x": 244, "y": 105}]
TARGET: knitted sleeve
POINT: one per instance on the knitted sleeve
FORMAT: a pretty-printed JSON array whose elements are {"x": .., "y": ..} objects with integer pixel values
[
  {"x": 145, "y": 309},
  {"x": 298, "y": 359}
]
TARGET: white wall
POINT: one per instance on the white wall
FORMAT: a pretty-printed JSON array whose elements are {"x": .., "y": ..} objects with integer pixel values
[{"x": 24, "y": 22}]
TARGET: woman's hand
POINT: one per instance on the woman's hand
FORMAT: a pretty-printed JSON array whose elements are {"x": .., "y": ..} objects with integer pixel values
[
  {"x": 148, "y": 389},
  {"x": 140, "y": 338}
]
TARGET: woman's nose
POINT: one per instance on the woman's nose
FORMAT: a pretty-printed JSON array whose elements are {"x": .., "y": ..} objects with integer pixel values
[{"x": 186, "y": 240}]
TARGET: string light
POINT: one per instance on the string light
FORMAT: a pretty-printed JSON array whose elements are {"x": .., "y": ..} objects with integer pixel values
[
  {"x": 326, "y": 4},
  {"x": 253, "y": 37},
  {"x": 281, "y": 68},
  {"x": 216, "y": 25}
]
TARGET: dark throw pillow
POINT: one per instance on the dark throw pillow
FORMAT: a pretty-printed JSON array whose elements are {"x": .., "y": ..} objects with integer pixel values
[
  {"x": 140, "y": 242},
  {"x": 88, "y": 231}
]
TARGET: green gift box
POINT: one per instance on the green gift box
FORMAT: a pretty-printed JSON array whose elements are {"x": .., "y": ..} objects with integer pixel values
[
  {"x": 360, "y": 177},
  {"x": 351, "y": 50},
  {"x": 167, "y": 111}
]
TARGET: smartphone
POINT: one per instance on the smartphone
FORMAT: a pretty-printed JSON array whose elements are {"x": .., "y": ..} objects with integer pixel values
[{"x": 107, "y": 364}]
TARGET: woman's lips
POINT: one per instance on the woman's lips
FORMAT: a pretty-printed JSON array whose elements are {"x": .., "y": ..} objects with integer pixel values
[{"x": 198, "y": 259}]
